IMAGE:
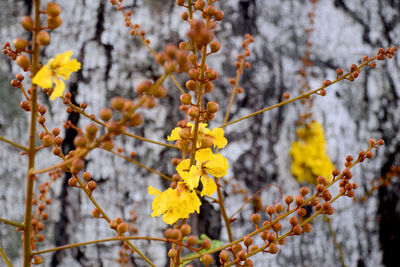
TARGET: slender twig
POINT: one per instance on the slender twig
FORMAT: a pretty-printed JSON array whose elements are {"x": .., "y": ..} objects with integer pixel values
[
  {"x": 102, "y": 212},
  {"x": 116, "y": 238},
  {"x": 32, "y": 141},
  {"x": 13, "y": 223},
  {"x": 176, "y": 83},
  {"x": 13, "y": 143},
  {"x": 4, "y": 256},
  {"x": 166, "y": 177},
  {"x": 337, "y": 244},
  {"x": 305, "y": 95}
]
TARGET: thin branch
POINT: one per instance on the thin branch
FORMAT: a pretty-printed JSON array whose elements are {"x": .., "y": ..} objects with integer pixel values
[
  {"x": 13, "y": 143},
  {"x": 4, "y": 256},
  {"x": 13, "y": 223}
]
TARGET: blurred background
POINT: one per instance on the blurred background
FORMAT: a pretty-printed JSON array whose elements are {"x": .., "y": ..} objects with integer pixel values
[{"x": 113, "y": 63}]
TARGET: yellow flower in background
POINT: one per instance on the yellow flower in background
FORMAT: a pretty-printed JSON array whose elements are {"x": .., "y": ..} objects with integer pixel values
[
  {"x": 59, "y": 67},
  {"x": 206, "y": 163},
  {"x": 174, "y": 204},
  {"x": 309, "y": 154},
  {"x": 216, "y": 134}
]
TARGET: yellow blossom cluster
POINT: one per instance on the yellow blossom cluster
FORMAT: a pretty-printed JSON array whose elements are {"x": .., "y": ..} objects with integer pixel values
[
  {"x": 179, "y": 203},
  {"x": 309, "y": 154},
  {"x": 55, "y": 70}
]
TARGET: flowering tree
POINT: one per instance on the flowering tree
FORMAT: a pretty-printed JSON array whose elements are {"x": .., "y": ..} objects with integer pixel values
[{"x": 198, "y": 170}]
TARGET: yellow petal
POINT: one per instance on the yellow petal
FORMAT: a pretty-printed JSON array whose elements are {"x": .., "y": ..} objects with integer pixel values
[
  {"x": 204, "y": 154},
  {"x": 209, "y": 186},
  {"x": 65, "y": 70},
  {"x": 174, "y": 134},
  {"x": 217, "y": 166},
  {"x": 183, "y": 168},
  {"x": 192, "y": 179},
  {"x": 219, "y": 140},
  {"x": 153, "y": 191},
  {"x": 59, "y": 90},
  {"x": 61, "y": 59},
  {"x": 43, "y": 77}
]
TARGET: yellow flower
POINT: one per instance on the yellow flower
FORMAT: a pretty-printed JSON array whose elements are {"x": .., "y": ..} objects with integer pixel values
[
  {"x": 59, "y": 67},
  {"x": 216, "y": 134},
  {"x": 206, "y": 163},
  {"x": 309, "y": 154},
  {"x": 174, "y": 204}
]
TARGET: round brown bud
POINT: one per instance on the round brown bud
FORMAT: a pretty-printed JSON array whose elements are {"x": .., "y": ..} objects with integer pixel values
[
  {"x": 144, "y": 87},
  {"x": 58, "y": 140},
  {"x": 304, "y": 191},
  {"x": 350, "y": 193},
  {"x": 270, "y": 210},
  {"x": 208, "y": 87},
  {"x": 45, "y": 215},
  {"x": 20, "y": 44},
  {"x": 186, "y": 229},
  {"x": 339, "y": 71},
  {"x": 72, "y": 182},
  {"x": 191, "y": 85},
  {"x": 48, "y": 140},
  {"x": 288, "y": 200},
  {"x": 369, "y": 155},
  {"x": 96, "y": 213},
  {"x": 53, "y": 9},
  {"x": 106, "y": 114},
  {"x": 194, "y": 74},
  {"x": 322, "y": 180},
  {"x": 210, "y": 10},
  {"x": 91, "y": 130},
  {"x": 242, "y": 255},
  {"x": 54, "y": 22},
  {"x": 37, "y": 260},
  {"x": 299, "y": 200},
  {"x": 278, "y": 208},
  {"x": 136, "y": 119},
  {"x": 80, "y": 141},
  {"x": 219, "y": 15},
  {"x": 297, "y": 230},
  {"x": 27, "y": 23},
  {"x": 301, "y": 212},
  {"x": 215, "y": 46},
  {"x": 224, "y": 256},
  {"x": 293, "y": 220},
  {"x": 286, "y": 95},
  {"x": 92, "y": 185},
  {"x": 277, "y": 227},
  {"x": 326, "y": 83},
  {"x": 150, "y": 102},
  {"x": 185, "y": 16},
  {"x": 206, "y": 244},
  {"x": 172, "y": 253},
  {"x": 87, "y": 176},
  {"x": 160, "y": 92},
  {"x": 335, "y": 172},
  {"x": 40, "y": 238},
  {"x": 43, "y": 38},
  {"x": 255, "y": 218},
  {"x": 381, "y": 142},
  {"x": 207, "y": 259},
  {"x": 77, "y": 165},
  {"x": 174, "y": 234},
  {"x": 253, "y": 248},
  {"x": 186, "y": 99},
  {"x": 192, "y": 240},
  {"x": 113, "y": 224},
  {"x": 211, "y": 74},
  {"x": 117, "y": 103},
  {"x": 24, "y": 62},
  {"x": 307, "y": 228},
  {"x": 19, "y": 77},
  {"x": 194, "y": 111},
  {"x": 236, "y": 248},
  {"x": 273, "y": 249},
  {"x": 212, "y": 107},
  {"x": 248, "y": 241},
  {"x": 122, "y": 228}
]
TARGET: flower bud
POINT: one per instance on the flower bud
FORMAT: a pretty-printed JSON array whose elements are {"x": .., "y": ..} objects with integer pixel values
[
  {"x": 215, "y": 46},
  {"x": 53, "y": 9},
  {"x": 54, "y": 22},
  {"x": 92, "y": 185},
  {"x": 20, "y": 44},
  {"x": 224, "y": 256},
  {"x": 186, "y": 229},
  {"x": 24, "y": 62},
  {"x": 106, "y": 114},
  {"x": 143, "y": 87},
  {"x": 160, "y": 92},
  {"x": 122, "y": 228},
  {"x": 186, "y": 99},
  {"x": 212, "y": 107},
  {"x": 194, "y": 111},
  {"x": 43, "y": 38},
  {"x": 207, "y": 259},
  {"x": 27, "y": 23},
  {"x": 117, "y": 103}
]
